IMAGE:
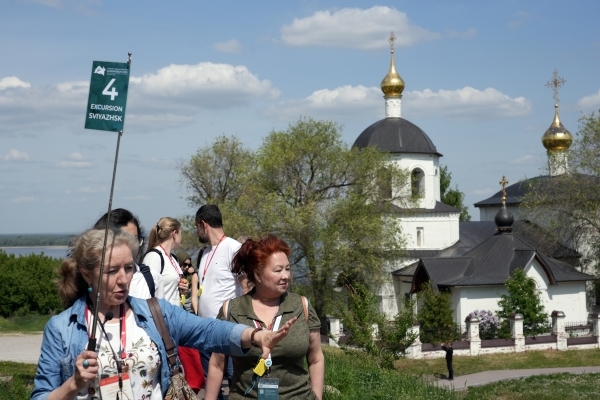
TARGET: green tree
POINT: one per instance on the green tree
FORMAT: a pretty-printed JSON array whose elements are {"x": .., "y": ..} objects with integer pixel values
[
  {"x": 324, "y": 198},
  {"x": 369, "y": 329},
  {"x": 452, "y": 197},
  {"x": 435, "y": 315},
  {"x": 524, "y": 299}
]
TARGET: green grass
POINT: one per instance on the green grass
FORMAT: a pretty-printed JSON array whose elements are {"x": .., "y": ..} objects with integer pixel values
[
  {"x": 24, "y": 324},
  {"x": 547, "y": 387},
  {"x": 533, "y": 359},
  {"x": 22, "y": 380}
]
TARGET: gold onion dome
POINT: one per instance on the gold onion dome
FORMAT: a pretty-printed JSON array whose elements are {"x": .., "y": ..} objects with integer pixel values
[
  {"x": 557, "y": 137},
  {"x": 392, "y": 84}
]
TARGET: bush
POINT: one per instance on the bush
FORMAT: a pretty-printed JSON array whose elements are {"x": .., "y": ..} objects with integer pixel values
[
  {"x": 489, "y": 324},
  {"x": 27, "y": 285},
  {"x": 435, "y": 316}
]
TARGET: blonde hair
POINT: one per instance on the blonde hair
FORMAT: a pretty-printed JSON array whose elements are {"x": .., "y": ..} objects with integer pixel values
[
  {"x": 85, "y": 253},
  {"x": 162, "y": 231}
]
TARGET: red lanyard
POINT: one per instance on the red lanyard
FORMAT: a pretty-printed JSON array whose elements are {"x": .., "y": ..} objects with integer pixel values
[
  {"x": 122, "y": 326},
  {"x": 208, "y": 260},
  {"x": 175, "y": 265}
]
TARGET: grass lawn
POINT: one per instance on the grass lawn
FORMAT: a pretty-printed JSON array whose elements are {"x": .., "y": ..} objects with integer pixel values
[
  {"x": 21, "y": 385},
  {"x": 24, "y": 324},
  {"x": 547, "y": 387},
  {"x": 533, "y": 359}
]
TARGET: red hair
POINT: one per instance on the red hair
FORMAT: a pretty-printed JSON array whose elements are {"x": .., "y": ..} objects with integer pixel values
[{"x": 254, "y": 253}]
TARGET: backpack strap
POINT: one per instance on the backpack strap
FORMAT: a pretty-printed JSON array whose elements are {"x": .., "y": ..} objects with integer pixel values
[
  {"x": 305, "y": 306},
  {"x": 162, "y": 259},
  {"x": 145, "y": 270}
]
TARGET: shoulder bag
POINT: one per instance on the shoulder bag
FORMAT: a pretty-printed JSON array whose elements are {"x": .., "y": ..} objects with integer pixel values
[{"x": 179, "y": 388}]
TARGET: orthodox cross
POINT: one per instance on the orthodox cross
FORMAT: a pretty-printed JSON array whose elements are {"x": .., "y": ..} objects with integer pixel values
[
  {"x": 503, "y": 183},
  {"x": 555, "y": 84},
  {"x": 392, "y": 39}
]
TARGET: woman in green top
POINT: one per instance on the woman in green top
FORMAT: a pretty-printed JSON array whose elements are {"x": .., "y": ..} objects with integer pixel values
[{"x": 267, "y": 306}]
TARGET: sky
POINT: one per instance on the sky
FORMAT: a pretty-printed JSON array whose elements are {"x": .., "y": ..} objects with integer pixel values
[{"x": 475, "y": 74}]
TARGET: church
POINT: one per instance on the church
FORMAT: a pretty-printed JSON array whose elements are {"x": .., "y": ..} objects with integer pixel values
[{"x": 471, "y": 260}]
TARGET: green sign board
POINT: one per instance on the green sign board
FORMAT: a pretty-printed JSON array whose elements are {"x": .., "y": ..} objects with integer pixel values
[{"x": 108, "y": 96}]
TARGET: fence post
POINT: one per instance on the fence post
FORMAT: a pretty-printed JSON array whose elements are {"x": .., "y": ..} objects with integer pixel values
[
  {"x": 596, "y": 326},
  {"x": 473, "y": 334},
  {"x": 516, "y": 331},
  {"x": 558, "y": 329},
  {"x": 335, "y": 332},
  {"x": 414, "y": 350}
]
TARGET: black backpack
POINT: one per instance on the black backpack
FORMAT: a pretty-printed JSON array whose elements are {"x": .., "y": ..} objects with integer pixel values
[
  {"x": 162, "y": 259},
  {"x": 145, "y": 270}
]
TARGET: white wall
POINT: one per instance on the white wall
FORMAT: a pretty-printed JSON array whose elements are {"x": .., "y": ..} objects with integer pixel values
[
  {"x": 430, "y": 165},
  {"x": 440, "y": 230}
]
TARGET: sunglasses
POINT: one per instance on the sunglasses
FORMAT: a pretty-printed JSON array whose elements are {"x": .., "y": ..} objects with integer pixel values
[{"x": 186, "y": 265}]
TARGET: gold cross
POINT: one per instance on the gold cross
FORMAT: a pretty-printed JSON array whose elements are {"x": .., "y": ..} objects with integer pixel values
[
  {"x": 392, "y": 39},
  {"x": 555, "y": 83},
  {"x": 503, "y": 183}
]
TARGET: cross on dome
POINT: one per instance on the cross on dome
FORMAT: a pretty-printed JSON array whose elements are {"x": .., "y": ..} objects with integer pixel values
[
  {"x": 555, "y": 83},
  {"x": 392, "y": 40},
  {"x": 503, "y": 183}
]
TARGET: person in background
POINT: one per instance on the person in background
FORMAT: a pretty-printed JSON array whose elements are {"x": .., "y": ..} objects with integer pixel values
[
  {"x": 189, "y": 273},
  {"x": 141, "y": 286},
  {"x": 66, "y": 370},
  {"x": 165, "y": 238},
  {"x": 267, "y": 307},
  {"x": 217, "y": 282},
  {"x": 449, "y": 350}
]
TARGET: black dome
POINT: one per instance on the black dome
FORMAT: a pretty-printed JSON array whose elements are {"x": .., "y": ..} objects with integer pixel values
[
  {"x": 504, "y": 220},
  {"x": 396, "y": 135}
]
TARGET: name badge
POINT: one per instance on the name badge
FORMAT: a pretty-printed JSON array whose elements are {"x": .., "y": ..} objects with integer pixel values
[
  {"x": 112, "y": 389},
  {"x": 268, "y": 389}
]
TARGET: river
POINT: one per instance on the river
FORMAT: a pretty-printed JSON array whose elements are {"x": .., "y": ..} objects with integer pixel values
[{"x": 50, "y": 251}]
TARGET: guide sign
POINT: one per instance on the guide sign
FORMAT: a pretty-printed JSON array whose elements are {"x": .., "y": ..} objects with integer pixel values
[{"x": 108, "y": 96}]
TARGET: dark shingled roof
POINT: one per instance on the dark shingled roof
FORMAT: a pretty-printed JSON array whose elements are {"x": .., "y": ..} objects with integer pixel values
[
  {"x": 514, "y": 194},
  {"x": 491, "y": 263},
  {"x": 396, "y": 135}
]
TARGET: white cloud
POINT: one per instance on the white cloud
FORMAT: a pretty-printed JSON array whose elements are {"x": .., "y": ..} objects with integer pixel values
[
  {"x": 24, "y": 199},
  {"x": 231, "y": 46},
  {"x": 169, "y": 98},
  {"x": 360, "y": 101},
  {"x": 527, "y": 159},
  {"x": 16, "y": 155},
  {"x": 74, "y": 161},
  {"x": 11, "y": 82},
  {"x": 483, "y": 191},
  {"x": 355, "y": 28},
  {"x": 590, "y": 102}
]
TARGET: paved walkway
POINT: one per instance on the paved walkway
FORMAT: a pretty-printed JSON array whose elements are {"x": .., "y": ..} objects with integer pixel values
[
  {"x": 20, "y": 348},
  {"x": 483, "y": 378}
]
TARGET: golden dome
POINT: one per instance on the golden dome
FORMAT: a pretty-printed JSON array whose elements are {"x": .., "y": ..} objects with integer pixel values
[
  {"x": 557, "y": 137},
  {"x": 392, "y": 84}
]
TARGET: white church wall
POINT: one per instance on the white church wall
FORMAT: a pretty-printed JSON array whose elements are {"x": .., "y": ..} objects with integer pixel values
[
  {"x": 475, "y": 298},
  {"x": 429, "y": 164},
  {"x": 570, "y": 298},
  {"x": 438, "y": 231}
]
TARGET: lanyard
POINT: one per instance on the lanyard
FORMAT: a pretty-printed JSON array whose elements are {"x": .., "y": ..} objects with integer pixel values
[
  {"x": 122, "y": 327},
  {"x": 174, "y": 264},
  {"x": 208, "y": 260}
]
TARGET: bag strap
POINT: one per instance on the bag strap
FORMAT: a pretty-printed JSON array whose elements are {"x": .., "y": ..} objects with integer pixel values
[
  {"x": 162, "y": 259},
  {"x": 226, "y": 309},
  {"x": 145, "y": 270},
  {"x": 159, "y": 321},
  {"x": 305, "y": 306}
]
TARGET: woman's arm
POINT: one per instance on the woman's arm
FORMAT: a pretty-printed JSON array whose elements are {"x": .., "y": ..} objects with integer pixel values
[
  {"x": 195, "y": 293},
  {"x": 81, "y": 378},
  {"x": 214, "y": 380},
  {"x": 316, "y": 363},
  {"x": 265, "y": 339}
]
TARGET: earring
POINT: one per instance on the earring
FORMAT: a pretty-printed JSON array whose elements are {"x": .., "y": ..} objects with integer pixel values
[{"x": 90, "y": 290}]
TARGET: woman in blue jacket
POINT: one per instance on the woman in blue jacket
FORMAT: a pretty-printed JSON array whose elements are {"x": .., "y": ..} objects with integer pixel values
[{"x": 130, "y": 357}]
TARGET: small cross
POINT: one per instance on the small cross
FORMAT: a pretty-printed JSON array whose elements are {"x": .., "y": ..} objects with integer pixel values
[
  {"x": 392, "y": 39},
  {"x": 503, "y": 183},
  {"x": 555, "y": 83}
]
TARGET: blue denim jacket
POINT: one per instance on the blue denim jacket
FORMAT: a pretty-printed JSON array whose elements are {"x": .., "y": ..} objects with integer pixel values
[{"x": 65, "y": 337}]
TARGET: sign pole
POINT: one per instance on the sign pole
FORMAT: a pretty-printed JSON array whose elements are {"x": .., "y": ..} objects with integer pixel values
[{"x": 93, "y": 339}]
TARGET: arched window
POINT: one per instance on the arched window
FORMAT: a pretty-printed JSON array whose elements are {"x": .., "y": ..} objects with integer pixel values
[{"x": 417, "y": 182}]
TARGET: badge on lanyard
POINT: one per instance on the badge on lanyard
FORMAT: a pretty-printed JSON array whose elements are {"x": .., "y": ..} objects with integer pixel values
[
  {"x": 268, "y": 389},
  {"x": 116, "y": 387}
]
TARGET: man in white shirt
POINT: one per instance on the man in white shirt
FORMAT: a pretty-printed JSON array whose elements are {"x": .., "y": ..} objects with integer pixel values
[
  {"x": 217, "y": 282},
  {"x": 127, "y": 222}
]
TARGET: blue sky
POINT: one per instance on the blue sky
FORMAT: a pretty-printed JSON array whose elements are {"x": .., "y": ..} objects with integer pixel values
[{"x": 475, "y": 76}]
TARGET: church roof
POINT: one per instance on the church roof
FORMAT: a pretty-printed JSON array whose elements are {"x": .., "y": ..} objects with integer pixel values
[
  {"x": 491, "y": 263},
  {"x": 396, "y": 135},
  {"x": 439, "y": 208},
  {"x": 514, "y": 193}
]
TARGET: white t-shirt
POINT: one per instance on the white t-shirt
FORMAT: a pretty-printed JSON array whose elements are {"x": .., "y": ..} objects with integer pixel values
[
  {"x": 142, "y": 359},
  {"x": 139, "y": 287},
  {"x": 219, "y": 283},
  {"x": 170, "y": 275}
]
